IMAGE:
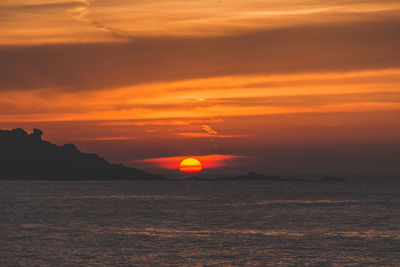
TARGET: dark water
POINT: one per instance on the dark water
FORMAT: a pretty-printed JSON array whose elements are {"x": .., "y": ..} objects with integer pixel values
[{"x": 198, "y": 223}]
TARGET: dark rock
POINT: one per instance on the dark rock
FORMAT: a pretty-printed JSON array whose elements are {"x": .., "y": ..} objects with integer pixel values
[
  {"x": 193, "y": 178},
  {"x": 24, "y": 156},
  {"x": 37, "y": 134},
  {"x": 70, "y": 147},
  {"x": 17, "y": 132},
  {"x": 332, "y": 180},
  {"x": 252, "y": 176}
]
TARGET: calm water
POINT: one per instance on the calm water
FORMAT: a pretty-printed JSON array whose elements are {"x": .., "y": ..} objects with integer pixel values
[{"x": 199, "y": 223}]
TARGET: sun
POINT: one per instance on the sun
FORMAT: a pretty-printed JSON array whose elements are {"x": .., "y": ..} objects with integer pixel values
[{"x": 190, "y": 165}]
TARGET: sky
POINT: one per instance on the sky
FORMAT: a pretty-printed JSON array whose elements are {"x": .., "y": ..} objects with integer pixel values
[{"x": 276, "y": 87}]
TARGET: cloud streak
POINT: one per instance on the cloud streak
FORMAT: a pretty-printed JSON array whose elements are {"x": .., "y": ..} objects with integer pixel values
[
  {"x": 248, "y": 95},
  {"x": 358, "y": 46},
  {"x": 169, "y": 18}
]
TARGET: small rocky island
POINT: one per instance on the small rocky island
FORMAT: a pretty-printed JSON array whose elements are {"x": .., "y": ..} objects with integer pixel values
[
  {"x": 329, "y": 179},
  {"x": 26, "y": 156},
  {"x": 252, "y": 176}
]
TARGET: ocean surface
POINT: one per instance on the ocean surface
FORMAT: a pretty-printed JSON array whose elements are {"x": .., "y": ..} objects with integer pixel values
[{"x": 200, "y": 223}]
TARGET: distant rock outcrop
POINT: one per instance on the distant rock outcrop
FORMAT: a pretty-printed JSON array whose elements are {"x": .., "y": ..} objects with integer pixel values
[
  {"x": 193, "y": 178},
  {"x": 251, "y": 176},
  {"x": 332, "y": 180},
  {"x": 27, "y": 156}
]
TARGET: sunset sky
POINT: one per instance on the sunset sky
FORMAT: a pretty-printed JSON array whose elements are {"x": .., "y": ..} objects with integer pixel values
[{"x": 272, "y": 86}]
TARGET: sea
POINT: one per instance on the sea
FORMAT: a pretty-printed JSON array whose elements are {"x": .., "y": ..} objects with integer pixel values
[{"x": 200, "y": 223}]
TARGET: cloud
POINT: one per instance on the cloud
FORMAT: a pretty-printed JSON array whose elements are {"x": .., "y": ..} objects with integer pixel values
[
  {"x": 41, "y": 7},
  {"x": 105, "y": 138},
  {"x": 202, "y": 135},
  {"x": 165, "y": 104},
  {"x": 94, "y": 66},
  {"x": 157, "y": 122},
  {"x": 209, "y": 130},
  {"x": 64, "y": 21},
  {"x": 82, "y": 13}
]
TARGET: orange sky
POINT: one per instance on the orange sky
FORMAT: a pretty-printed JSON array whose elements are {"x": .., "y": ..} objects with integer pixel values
[{"x": 282, "y": 86}]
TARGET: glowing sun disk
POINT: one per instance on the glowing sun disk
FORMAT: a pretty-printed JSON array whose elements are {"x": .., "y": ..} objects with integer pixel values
[{"x": 190, "y": 165}]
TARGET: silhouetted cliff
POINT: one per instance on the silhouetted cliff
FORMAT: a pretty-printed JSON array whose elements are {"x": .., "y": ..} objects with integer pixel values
[{"x": 27, "y": 156}]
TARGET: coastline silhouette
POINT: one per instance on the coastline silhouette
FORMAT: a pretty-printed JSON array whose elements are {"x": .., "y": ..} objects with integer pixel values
[{"x": 26, "y": 156}]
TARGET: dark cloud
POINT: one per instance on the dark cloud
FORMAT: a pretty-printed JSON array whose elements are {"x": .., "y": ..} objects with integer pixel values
[
  {"x": 40, "y": 8},
  {"x": 363, "y": 45}
]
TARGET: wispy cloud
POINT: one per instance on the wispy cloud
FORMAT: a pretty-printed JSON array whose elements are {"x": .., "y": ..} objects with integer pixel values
[
  {"x": 202, "y": 135},
  {"x": 209, "y": 130},
  {"x": 122, "y": 20},
  {"x": 166, "y": 104},
  {"x": 105, "y": 138},
  {"x": 157, "y": 122},
  {"x": 81, "y": 12}
]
